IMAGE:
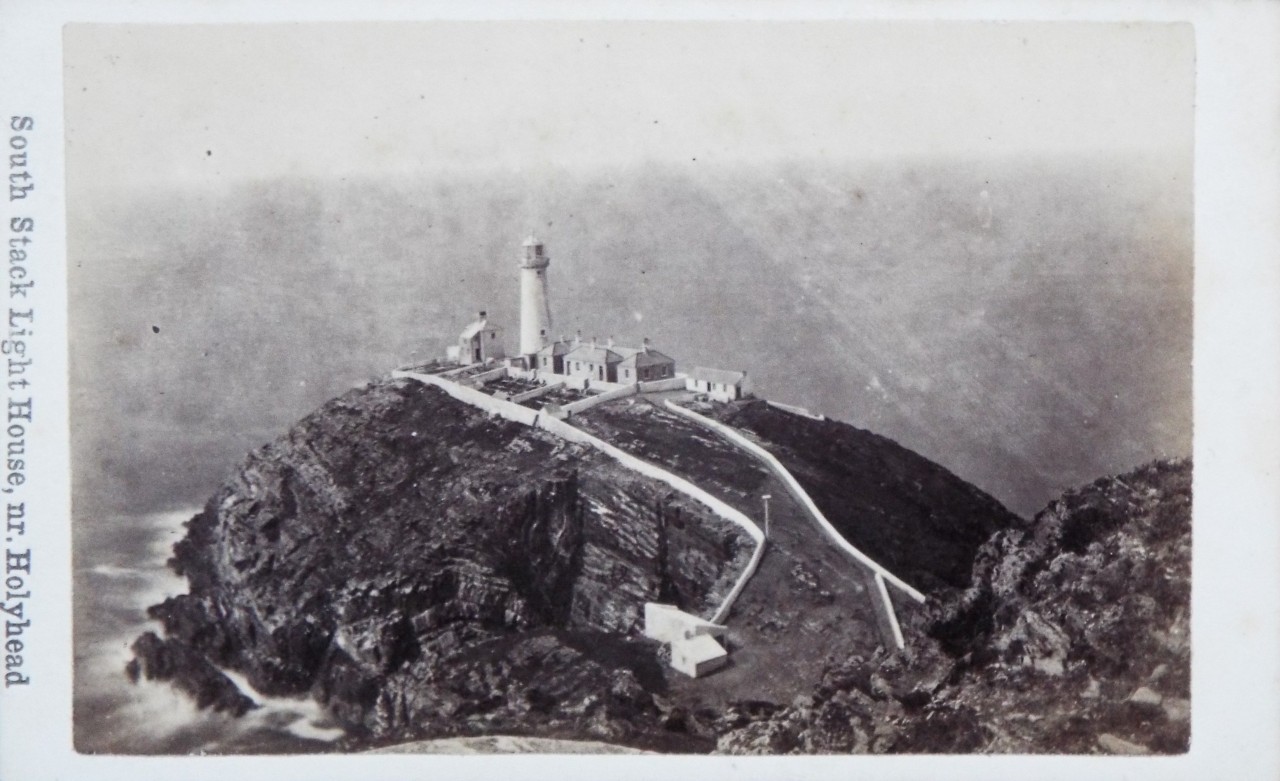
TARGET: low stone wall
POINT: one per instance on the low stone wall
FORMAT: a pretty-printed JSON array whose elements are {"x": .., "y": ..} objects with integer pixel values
[
  {"x": 796, "y": 410},
  {"x": 797, "y": 491},
  {"x": 479, "y": 399},
  {"x": 669, "y": 384},
  {"x": 478, "y": 380},
  {"x": 891, "y": 616},
  {"x": 581, "y": 405},
  {"x": 536, "y": 392},
  {"x": 562, "y": 429},
  {"x": 794, "y": 487}
]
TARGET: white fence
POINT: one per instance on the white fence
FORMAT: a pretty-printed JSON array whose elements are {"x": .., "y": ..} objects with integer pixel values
[{"x": 529, "y": 417}]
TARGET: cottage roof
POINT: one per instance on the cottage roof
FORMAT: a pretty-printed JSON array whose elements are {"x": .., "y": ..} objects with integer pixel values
[
  {"x": 593, "y": 354},
  {"x": 701, "y": 648},
  {"x": 478, "y": 326},
  {"x": 556, "y": 348},
  {"x": 639, "y": 358},
  {"x": 722, "y": 376}
]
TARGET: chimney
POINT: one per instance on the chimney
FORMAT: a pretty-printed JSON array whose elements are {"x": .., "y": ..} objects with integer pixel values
[
  {"x": 645, "y": 345},
  {"x": 610, "y": 342},
  {"x": 577, "y": 339},
  {"x": 593, "y": 341},
  {"x": 482, "y": 314}
]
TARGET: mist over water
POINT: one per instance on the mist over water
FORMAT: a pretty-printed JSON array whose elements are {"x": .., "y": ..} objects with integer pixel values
[{"x": 1026, "y": 323}]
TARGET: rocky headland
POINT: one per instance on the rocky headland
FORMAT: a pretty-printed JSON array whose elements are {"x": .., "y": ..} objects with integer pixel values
[{"x": 427, "y": 571}]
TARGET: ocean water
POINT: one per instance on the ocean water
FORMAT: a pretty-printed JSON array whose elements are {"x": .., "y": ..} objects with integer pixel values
[{"x": 119, "y": 570}]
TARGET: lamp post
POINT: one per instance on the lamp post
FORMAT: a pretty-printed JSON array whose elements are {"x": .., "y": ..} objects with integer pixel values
[{"x": 766, "y": 498}]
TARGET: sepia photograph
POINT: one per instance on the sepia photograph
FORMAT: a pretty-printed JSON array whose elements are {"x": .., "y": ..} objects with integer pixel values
[{"x": 572, "y": 387}]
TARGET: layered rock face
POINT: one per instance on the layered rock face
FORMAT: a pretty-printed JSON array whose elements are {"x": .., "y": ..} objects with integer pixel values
[
  {"x": 424, "y": 569},
  {"x": 1073, "y": 636}
]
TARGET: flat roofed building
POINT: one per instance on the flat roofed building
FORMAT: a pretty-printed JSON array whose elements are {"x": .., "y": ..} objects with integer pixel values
[{"x": 694, "y": 648}]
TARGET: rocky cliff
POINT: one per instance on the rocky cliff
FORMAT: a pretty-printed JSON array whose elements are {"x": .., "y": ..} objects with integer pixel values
[
  {"x": 424, "y": 569},
  {"x": 1072, "y": 636}
]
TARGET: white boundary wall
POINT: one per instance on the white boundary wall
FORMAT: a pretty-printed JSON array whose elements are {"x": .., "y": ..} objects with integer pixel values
[
  {"x": 718, "y": 507},
  {"x": 536, "y": 392},
  {"x": 483, "y": 377},
  {"x": 475, "y": 398},
  {"x": 657, "y": 386},
  {"x": 796, "y": 410},
  {"x": 582, "y": 405},
  {"x": 533, "y": 418},
  {"x": 890, "y": 614},
  {"x": 797, "y": 491}
]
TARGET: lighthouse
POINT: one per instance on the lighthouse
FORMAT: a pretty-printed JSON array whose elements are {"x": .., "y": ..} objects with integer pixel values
[{"x": 535, "y": 310}]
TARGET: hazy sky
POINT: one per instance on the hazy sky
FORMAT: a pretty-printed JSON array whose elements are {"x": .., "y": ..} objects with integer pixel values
[{"x": 199, "y": 104}]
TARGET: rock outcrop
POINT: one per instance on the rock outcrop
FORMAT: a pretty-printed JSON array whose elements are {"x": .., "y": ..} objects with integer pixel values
[
  {"x": 1071, "y": 637},
  {"x": 428, "y": 571}
]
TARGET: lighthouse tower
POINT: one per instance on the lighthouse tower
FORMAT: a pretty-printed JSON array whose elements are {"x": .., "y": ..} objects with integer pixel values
[{"x": 535, "y": 310}]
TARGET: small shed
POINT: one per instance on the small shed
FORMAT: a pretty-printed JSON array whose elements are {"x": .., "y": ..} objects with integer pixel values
[
  {"x": 719, "y": 384},
  {"x": 480, "y": 342}
]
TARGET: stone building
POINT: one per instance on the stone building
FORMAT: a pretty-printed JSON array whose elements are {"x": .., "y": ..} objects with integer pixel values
[
  {"x": 551, "y": 357},
  {"x": 719, "y": 384},
  {"x": 479, "y": 342},
  {"x": 612, "y": 363}
]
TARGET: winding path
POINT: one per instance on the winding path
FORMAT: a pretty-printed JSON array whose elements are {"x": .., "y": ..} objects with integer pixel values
[
  {"x": 526, "y": 416},
  {"x": 882, "y": 575}
]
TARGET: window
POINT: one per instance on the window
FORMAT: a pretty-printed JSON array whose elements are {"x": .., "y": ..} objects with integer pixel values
[{"x": 626, "y": 373}]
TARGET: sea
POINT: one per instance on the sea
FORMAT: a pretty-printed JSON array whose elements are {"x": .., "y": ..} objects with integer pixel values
[{"x": 119, "y": 570}]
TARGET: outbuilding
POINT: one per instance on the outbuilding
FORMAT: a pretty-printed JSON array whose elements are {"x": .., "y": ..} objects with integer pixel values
[
  {"x": 694, "y": 648},
  {"x": 719, "y": 384},
  {"x": 479, "y": 342}
]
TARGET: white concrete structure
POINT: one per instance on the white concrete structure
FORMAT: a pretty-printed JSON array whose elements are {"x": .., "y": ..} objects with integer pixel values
[
  {"x": 694, "y": 649},
  {"x": 535, "y": 309}
]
